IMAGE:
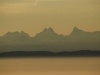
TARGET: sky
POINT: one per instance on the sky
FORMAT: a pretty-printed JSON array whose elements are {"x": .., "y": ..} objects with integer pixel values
[{"x": 32, "y": 16}]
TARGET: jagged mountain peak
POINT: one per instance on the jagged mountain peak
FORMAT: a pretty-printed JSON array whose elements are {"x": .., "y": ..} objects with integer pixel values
[
  {"x": 12, "y": 33},
  {"x": 15, "y": 34},
  {"x": 76, "y": 31},
  {"x": 75, "y": 27},
  {"x": 48, "y": 30}
]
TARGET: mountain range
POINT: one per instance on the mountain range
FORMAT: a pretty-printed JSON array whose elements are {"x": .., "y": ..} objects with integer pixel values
[{"x": 48, "y": 40}]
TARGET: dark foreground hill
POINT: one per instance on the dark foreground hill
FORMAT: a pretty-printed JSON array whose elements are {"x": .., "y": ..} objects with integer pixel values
[{"x": 81, "y": 53}]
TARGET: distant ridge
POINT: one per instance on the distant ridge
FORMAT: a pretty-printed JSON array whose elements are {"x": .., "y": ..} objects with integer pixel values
[
  {"x": 81, "y": 53},
  {"x": 49, "y": 40}
]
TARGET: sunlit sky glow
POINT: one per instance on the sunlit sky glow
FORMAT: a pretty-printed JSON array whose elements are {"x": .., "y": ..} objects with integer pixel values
[{"x": 61, "y": 15}]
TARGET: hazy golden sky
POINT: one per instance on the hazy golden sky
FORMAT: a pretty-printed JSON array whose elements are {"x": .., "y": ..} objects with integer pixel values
[{"x": 32, "y": 16}]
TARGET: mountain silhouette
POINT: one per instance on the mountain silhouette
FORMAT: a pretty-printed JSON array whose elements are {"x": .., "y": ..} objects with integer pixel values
[
  {"x": 14, "y": 38},
  {"x": 47, "y": 36},
  {"x": 76, "y": 32},
  {"x": 49, "y": 40},
  {"x": 46, "y": 33}
]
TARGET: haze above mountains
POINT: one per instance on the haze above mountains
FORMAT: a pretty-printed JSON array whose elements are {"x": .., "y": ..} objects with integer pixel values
[{"x": 48, "y": 40}]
